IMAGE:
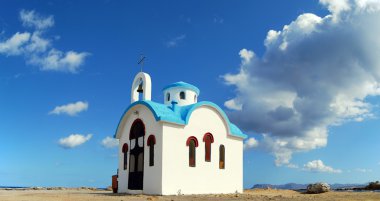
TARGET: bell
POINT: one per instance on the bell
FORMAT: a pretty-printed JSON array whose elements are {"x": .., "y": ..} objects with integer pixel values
[{"x": 140, "y": 89}]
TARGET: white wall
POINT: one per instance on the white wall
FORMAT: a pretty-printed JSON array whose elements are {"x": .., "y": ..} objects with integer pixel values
[
  {"x": 174, "y": 96},
  {"x": 152, "y": 174},
  {"x": 206, "y": 177}
]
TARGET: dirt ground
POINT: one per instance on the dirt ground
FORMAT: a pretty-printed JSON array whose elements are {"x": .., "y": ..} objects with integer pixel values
[{"x": 257, "y": 195}]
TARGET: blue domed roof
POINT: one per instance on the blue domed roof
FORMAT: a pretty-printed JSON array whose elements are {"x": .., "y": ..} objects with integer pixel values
[{"x": 183, "y": 85}]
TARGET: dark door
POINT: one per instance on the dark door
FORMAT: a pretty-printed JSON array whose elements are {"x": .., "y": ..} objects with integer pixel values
[{"x": 136, "y": 159}]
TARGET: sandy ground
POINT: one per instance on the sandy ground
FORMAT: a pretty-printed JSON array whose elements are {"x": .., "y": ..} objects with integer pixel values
[{"x": 257, "y": 195}]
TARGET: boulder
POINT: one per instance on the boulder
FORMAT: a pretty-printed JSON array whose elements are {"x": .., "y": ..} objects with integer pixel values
[{"x": 318, "y": 188}]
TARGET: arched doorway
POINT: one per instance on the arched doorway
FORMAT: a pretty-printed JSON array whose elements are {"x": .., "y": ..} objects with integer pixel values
[{"x": 136, "y": 159}]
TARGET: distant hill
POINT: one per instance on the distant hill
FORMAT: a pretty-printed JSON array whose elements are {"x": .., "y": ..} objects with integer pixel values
[
  {"x": 290, "y": 186},
  {"x": 294, "y": 186}
]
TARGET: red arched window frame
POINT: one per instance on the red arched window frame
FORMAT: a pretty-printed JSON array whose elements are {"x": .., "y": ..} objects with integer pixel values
[
  {"x": 192, "y": 138},
  {"x": 192, "y": 143},
  {"x": 131, "y": 134},
  {"x": 150, "y": 143},
  {"x": 125, "y": 155},
  {"x": 208, "y": 139},
  {"x": 151, "y": 139}
]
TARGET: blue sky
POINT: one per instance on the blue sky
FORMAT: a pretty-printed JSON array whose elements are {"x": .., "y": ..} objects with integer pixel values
[{"x": 70, "y": 52}]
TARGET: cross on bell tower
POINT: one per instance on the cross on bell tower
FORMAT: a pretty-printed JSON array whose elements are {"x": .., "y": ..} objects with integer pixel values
[{"x": 141, "y": 63}]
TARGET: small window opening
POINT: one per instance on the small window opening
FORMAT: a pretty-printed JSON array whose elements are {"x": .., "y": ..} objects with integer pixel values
[
  {"x": 182, "y": 95},
  {"x": 151, "y": 142},
  {"x": 192, "y": 153},
  {"x": 195, "y": 98},
  {"x": 125, "y": 156},
  {"x": 192, "y": 142},
  {"x": 168, "y": 96},
  {"x": 208, "y": 139},
  {"x": 221, "y": 157}
]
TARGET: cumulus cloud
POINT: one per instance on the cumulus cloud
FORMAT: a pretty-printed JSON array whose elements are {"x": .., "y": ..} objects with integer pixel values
[
  {"x": 37, "y": 49},
  {"x": 250, "y": 143},
  {"x": 60, "y": 61},
  {"x": 30, "y": 18},
  {"x": 70, "y": 109},
  {"x": 15, "y": 44},
  {"x": 316, "y": 72},
  {"x": 175, "y": 41},
  {"x": 318, "y": 166},
  {"x": 110, "y": 142},
  {"x": 74, "y": 140}
]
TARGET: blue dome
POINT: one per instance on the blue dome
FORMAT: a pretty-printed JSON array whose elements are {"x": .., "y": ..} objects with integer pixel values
[{"x": 183, "y": 85}]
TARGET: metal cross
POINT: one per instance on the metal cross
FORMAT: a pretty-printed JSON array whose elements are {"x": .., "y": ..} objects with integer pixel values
[{"x": 141, "y": 62}]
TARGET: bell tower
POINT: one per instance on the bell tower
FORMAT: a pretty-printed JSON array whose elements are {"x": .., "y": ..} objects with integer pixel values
[{"x": 141, "y": 84}]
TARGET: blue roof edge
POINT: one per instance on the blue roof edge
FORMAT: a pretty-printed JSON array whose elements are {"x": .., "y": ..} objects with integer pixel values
[
  {"x": 233, "y": 129},
  {"x": 184, "y": 85}
]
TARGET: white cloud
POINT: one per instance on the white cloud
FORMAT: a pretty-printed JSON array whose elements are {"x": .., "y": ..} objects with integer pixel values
[
  {"x": 30, "y": 18},
  {"x": 74, "y": 140},
  {"x": 233, "y": 104},
  {"x": 250, "y": 143},
  {"x": 59, "y": 61},
  {"x": 15, "y": 44},
  {"x": 110, "y": 142},
  {"x": 246, "y": 56},
  {"x": 318, "y": 166},
  {"x": 175, "y": 41},
  {"x": 293, "y": 166},
  {"x": 363, "y": 170},
  {"x": 37, "y": 49},
  {"x": 336, "y": 6},
  {"x": 37, "y": 43},
  {"x": 71, "y": 109},
  {"x": 303, "y": 84}
]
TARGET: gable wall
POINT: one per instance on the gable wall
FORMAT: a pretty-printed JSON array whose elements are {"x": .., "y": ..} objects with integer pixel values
[
  {"x": 152, "y": 174},
  {"x": 206, "y": 177}
]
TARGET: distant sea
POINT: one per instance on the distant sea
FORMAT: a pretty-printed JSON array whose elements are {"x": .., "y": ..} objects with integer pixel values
[
  {"x": 19, "y": 187},
  {"x": 12, "y": 187}
]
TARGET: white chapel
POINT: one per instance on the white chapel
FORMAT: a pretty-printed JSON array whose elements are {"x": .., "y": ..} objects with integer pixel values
[{"x": 180, "y": 146}]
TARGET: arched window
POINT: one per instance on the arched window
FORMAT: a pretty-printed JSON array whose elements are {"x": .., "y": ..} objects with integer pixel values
[
  {"x": 192, "y": 143},
  {"x": 221, "y": 157},
  {"x": 182, "y": 95},
  {"x": 125, "y": 154},
  {"x": 151, "y": 142},
  {"x": 168, "y": 96},
  {"x": 208, "y": 139}
]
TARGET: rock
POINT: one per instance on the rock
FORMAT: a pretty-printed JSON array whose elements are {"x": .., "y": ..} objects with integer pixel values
[{"x": 318, "y": 188}]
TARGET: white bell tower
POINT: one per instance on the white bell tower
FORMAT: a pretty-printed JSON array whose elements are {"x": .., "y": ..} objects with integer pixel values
[{"x": 141, "y": 84}]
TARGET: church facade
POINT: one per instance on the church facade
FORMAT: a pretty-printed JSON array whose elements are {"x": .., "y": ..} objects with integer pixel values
[{"x": 180, "y": 146}]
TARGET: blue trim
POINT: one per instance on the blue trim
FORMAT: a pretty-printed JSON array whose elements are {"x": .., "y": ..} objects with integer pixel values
[
  {"x": 181, "y": 114},
  {"x": 183, "y": 85}
]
